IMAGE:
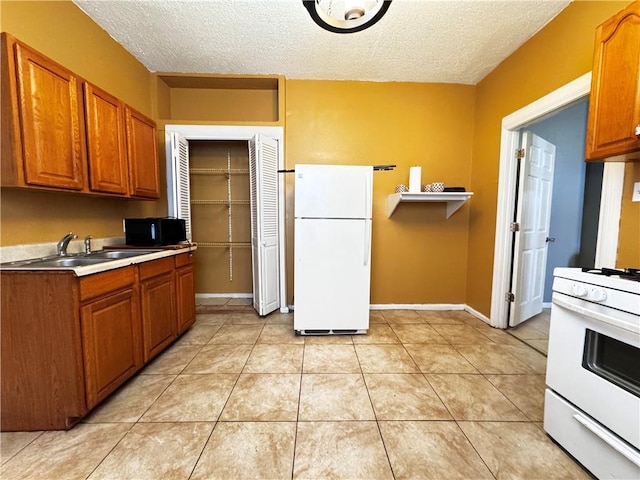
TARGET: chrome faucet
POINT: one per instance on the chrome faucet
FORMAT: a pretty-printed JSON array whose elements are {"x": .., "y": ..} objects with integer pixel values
[
  {"x": 87, "y": 244},
  {"x": 61, "y": 247}
]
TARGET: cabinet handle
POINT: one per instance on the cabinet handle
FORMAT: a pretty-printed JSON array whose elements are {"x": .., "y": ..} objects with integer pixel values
[{"x": 638, "y": 130}]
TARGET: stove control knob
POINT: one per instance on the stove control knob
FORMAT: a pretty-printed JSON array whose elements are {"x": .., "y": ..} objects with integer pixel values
[
  {"x": 579, "y": 290},
  {"x": 597, "y": 295}
]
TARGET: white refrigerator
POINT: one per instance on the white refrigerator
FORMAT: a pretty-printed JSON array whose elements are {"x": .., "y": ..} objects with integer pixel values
[{"x": 332, "y": 249}]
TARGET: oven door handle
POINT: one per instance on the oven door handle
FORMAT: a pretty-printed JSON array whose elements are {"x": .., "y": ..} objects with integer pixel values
[
  {"x": 609, "y": 439},
  {"x": 587, "y": 312}
]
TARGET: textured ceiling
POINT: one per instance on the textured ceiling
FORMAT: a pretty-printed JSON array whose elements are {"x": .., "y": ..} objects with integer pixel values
[{"x": 442, "y": 41}]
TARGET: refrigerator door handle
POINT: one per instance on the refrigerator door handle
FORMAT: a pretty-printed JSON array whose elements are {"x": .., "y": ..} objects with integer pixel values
[
  {"x": 368, "y": 187},
  {"x": 367, "y": 241},
  {"x": 366, "y": 196}
]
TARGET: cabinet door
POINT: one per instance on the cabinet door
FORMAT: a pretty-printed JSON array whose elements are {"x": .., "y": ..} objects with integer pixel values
[
  {"x": 111, "y": 343},
  {"x": 186, "y": 298},
  {"x": 51, "y": 125},
  {"x": 105, "y": 141},
  {"x": 158, "y": 313},
  {"x": 143, "y": 159},
  {"x": 614, "y": 108}
]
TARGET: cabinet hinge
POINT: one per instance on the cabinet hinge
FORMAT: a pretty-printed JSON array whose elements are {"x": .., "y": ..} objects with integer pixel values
[
  {"x": 520, "y": 153},
  {"x": 509, "y": 297},
  {"x": 514, "y": 227}
]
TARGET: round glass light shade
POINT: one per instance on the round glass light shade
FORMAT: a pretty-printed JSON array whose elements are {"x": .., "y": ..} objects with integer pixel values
[{"x": 346, "y": 16}]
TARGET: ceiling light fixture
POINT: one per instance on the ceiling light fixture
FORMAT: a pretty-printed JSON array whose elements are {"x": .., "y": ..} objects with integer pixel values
[{"x": 346, "y": 16}]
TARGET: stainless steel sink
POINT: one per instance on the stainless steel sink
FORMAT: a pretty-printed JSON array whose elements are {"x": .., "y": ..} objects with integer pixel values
[
  {"x": 72, "y": 261},
  {"x": 68, "y": 262},
  {"x": 117, "y": 254}
]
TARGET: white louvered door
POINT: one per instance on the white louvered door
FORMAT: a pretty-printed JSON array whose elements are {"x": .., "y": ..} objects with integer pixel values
[
  {"x": 180, "y": 206},
  {"x": 263, "y": 173}
]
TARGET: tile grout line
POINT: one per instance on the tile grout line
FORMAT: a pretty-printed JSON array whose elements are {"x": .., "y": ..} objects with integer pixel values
[
  {"x": 295, "y": 437},
  {"x": 493, "y": 340},
  {"x": 375, "y": 415},
  {"x": 112, "y": 448},
  {"x": 204, "y": 446}
]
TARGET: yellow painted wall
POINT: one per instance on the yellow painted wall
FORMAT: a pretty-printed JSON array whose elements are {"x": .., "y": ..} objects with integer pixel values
[
  {"x": 64, "y": 33},
  {"x": 452, "y": 131},
  {"x": 629, "y": 237},
  {"x": 225, "y": 105},
  {"x": 558, "y": 54},
  {"x": 60, "y": 30},
  {"x": 418, "y": 256}
]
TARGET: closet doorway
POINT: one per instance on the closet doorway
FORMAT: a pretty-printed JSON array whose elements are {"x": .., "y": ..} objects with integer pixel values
[
  {"x": 221, "y": 217},
  {"x": 223, "y": 181}
]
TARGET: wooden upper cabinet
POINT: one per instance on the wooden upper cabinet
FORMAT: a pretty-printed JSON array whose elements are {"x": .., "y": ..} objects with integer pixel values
[
  {"x": 144, "y": 180},
  {"x": 60, "y": 132},
  {"x": 105, "y": 141},
  {"x": 50, "y": 122},
  {"x": 614, "y": 108}
]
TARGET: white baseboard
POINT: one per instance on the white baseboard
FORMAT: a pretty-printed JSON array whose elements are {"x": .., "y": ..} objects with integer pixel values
[
  {"x": 224, "y": 295},
  {"x": 546, "y": 304},
  {"x": 417, "y": 306},
  {"x": 477, "y": 314},
  {"x": 431, "y": 306},
  {"x": 425, "y": 306}
]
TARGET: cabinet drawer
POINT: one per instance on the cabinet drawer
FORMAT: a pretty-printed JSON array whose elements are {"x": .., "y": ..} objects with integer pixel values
[
  {"x": 184, "y": 259},
  {"x": 155, "y": 267},
  {"x": 106, "y": 282}
]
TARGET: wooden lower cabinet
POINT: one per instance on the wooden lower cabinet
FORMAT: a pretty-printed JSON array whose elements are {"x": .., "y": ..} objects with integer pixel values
[
  {"x": 110, "y": 342},
  {"x": 157, "y": 293},
  {"x": 41, "y": 369},
  {"x": 68, "y": 342},
  {"x": 185, "y": 292}
]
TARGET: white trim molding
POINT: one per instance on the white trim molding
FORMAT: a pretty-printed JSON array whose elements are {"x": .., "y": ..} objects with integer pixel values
[
  {"x": 431, "y": 307},
  {"x": 244, "y": 133},
  {"x": 477, "y": 314},
  {"x": 610, "y": 209},
  {"x": 223, "y": 295},
  {"x": 509, "y": 142},
  {"x": 417, "y": 306}
]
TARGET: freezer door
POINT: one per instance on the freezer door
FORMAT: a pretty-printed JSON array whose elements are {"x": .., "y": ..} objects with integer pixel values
[
  {"x": 333, "y": 191},
  {"x": 332, "y": 274}
]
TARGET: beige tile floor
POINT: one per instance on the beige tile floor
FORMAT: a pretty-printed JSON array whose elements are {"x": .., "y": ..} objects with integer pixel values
[
  {"x": 436, "y": 395},
  {"x": 535, "y": 331}
]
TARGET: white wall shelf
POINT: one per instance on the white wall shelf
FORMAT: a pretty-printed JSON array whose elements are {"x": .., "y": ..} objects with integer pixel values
[{"x": 454, "y": 200}]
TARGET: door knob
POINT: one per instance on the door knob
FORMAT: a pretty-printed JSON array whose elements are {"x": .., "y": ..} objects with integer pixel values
[
  {"x": 638, "y": 130},
  {"x": 550, "y": 239}
]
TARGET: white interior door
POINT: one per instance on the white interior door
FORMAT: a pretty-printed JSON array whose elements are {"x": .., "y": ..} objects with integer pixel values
[
  {"x": 263, "y": 173},
  {"x": 533, "y": 214},
  {"x": 178, "y": 181}
]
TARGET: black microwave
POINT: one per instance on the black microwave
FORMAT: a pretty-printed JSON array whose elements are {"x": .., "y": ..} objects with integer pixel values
[{"x": 154, "y": 231}]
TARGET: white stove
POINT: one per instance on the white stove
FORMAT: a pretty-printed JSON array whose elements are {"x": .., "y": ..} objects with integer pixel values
[{"x": 592, "y": 400}]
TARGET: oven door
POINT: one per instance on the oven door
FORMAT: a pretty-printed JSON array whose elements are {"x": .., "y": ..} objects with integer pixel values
[{"x": 592, "y": 361}]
